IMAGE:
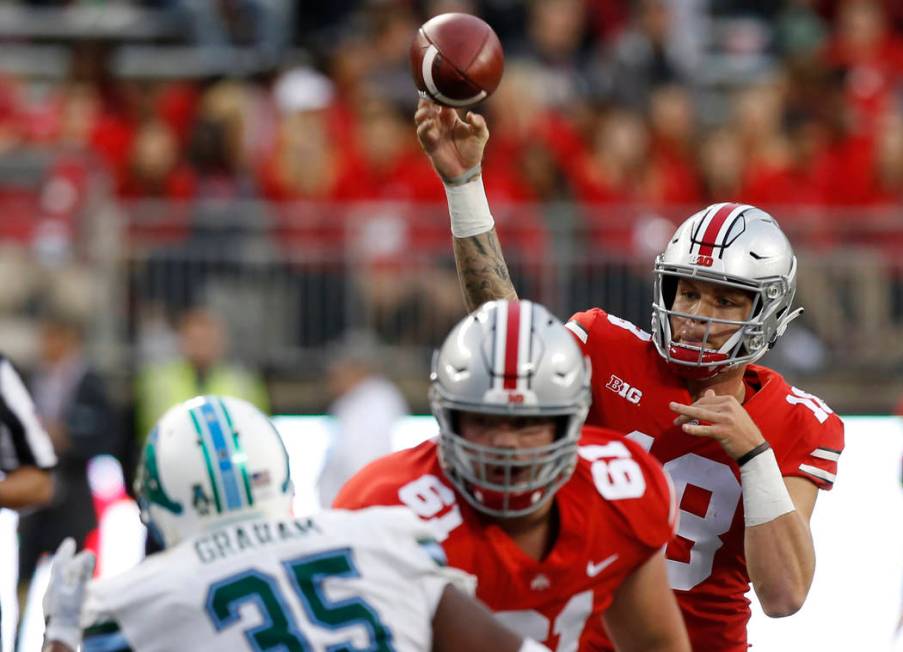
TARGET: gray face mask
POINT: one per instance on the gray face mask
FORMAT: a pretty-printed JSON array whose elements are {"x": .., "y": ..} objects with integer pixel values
[{"x": 513, "y": 359}]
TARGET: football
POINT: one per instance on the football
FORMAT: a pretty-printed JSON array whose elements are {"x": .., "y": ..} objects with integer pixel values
[{"x": 456, "y": 60}]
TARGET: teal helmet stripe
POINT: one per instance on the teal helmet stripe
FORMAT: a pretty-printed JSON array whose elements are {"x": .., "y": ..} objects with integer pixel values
[
  {"x": 223, "y": 453},
  {"x": 239, "y": 458},
  {"x": 150, "y": 488},
  {"x": 208, "y": 461}
]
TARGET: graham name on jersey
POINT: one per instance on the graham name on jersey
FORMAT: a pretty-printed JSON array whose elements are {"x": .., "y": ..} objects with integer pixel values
[{"x": 237, "y": 538}]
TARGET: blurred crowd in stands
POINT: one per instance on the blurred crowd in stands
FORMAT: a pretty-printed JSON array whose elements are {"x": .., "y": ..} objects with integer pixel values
[{"x": 612, "y": 101}]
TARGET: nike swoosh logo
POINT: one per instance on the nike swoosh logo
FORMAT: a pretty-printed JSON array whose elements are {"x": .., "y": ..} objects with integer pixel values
[{"x": 594, "y": 569}]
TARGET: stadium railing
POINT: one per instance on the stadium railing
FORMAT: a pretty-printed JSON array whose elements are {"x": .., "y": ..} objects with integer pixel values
[
  {"x": 291, "y": 278},
  {"x": 317, "y": 270}
]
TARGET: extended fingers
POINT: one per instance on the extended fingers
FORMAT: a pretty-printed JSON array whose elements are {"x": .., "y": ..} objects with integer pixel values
[
  {"x": 435, "y": 114},
  {"x": 682, "y": 419},
  {"x": 65, "y": 551},
  {"x": 700, "y": 430},
  {"x": 427, "y": 134},
  {"x": 424, "y": 127},
  {"x": 447, "y": 116},
  {"x": 422, "y": 115},
  {"x": 425, "y": 111},
  {"x": 694, "y": 411},
  {"x": 425, "y": 102},
  {"x": 477, "y": 121}
]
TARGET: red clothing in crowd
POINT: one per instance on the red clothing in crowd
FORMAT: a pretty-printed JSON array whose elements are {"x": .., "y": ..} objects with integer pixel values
[{"x": 871, "y": 76}]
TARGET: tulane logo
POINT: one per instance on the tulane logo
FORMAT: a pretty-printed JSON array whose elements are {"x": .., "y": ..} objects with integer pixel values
[{"x": 200, "y": 500}]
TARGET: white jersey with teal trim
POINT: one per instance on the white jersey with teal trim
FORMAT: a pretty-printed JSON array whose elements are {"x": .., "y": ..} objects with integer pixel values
[{"x": 369, "y": 579}]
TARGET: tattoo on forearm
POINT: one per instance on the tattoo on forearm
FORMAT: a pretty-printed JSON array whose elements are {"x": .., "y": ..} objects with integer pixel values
[{"x": 482, "y": 271}]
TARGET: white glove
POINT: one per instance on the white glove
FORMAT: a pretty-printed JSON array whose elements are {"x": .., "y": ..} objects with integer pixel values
[{"x": 69, "y": 577}]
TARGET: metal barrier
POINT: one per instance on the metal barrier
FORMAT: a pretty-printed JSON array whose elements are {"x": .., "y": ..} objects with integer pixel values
[{"x": 292, "y": 278}]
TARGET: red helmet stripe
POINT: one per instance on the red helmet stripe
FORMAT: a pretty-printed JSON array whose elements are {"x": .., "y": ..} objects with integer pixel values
[
  {"x": 709, "y": 238},
  {"x": 512, "y": 345}
]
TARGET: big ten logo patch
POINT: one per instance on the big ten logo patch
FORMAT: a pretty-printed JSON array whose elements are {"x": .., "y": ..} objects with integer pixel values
[
  {"x": 624, "y": 390},
  {"x": 433, "y": 501}
]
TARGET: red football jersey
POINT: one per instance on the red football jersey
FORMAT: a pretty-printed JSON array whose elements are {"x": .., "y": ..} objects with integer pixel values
[
  {"x": 615, "y": 512},
  {"x": 632, "y": 386}
]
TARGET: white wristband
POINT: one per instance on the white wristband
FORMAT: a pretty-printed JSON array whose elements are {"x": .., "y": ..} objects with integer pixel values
[
  {"x": 765, "y": 496},
  {"x": 469, "y": 209},
  {"x": 529, "y": 645}
]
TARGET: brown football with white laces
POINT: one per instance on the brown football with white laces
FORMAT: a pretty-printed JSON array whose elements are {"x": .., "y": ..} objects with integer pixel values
[{"x": 456, "y": 60}]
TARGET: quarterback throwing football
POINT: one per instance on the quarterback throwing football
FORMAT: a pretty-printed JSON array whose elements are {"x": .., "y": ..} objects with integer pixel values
[{"x": 746, "y": 451}]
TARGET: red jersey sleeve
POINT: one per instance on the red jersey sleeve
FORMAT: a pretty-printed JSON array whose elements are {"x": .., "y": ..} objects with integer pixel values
[
  {"x": 581, "y": 325},
  {"x": 607, "y": 338},
  {"x": 818, "y": 440},
  {"x": 375, "y": 484},
  {"x": 634, "y": 485}
]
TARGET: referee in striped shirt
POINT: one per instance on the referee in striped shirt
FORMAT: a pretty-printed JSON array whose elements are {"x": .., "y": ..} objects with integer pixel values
[{"x": 26, "y": 452}]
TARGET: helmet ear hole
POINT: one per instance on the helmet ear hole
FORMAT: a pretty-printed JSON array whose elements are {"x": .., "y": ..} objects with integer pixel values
[
  {"x": 669, "y": 290},
  {"x": 757, "y": 304},
  {"x": 454, "y": 420}
]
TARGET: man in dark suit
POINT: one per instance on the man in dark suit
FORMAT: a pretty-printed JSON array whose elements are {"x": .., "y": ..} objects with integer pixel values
[{"x": 71, "y": 400}]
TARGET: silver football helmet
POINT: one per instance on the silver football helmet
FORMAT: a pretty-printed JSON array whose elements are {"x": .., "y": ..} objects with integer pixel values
[
  {"x": 509, "y": 358},
  {"x": 735, "y": 245}
]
